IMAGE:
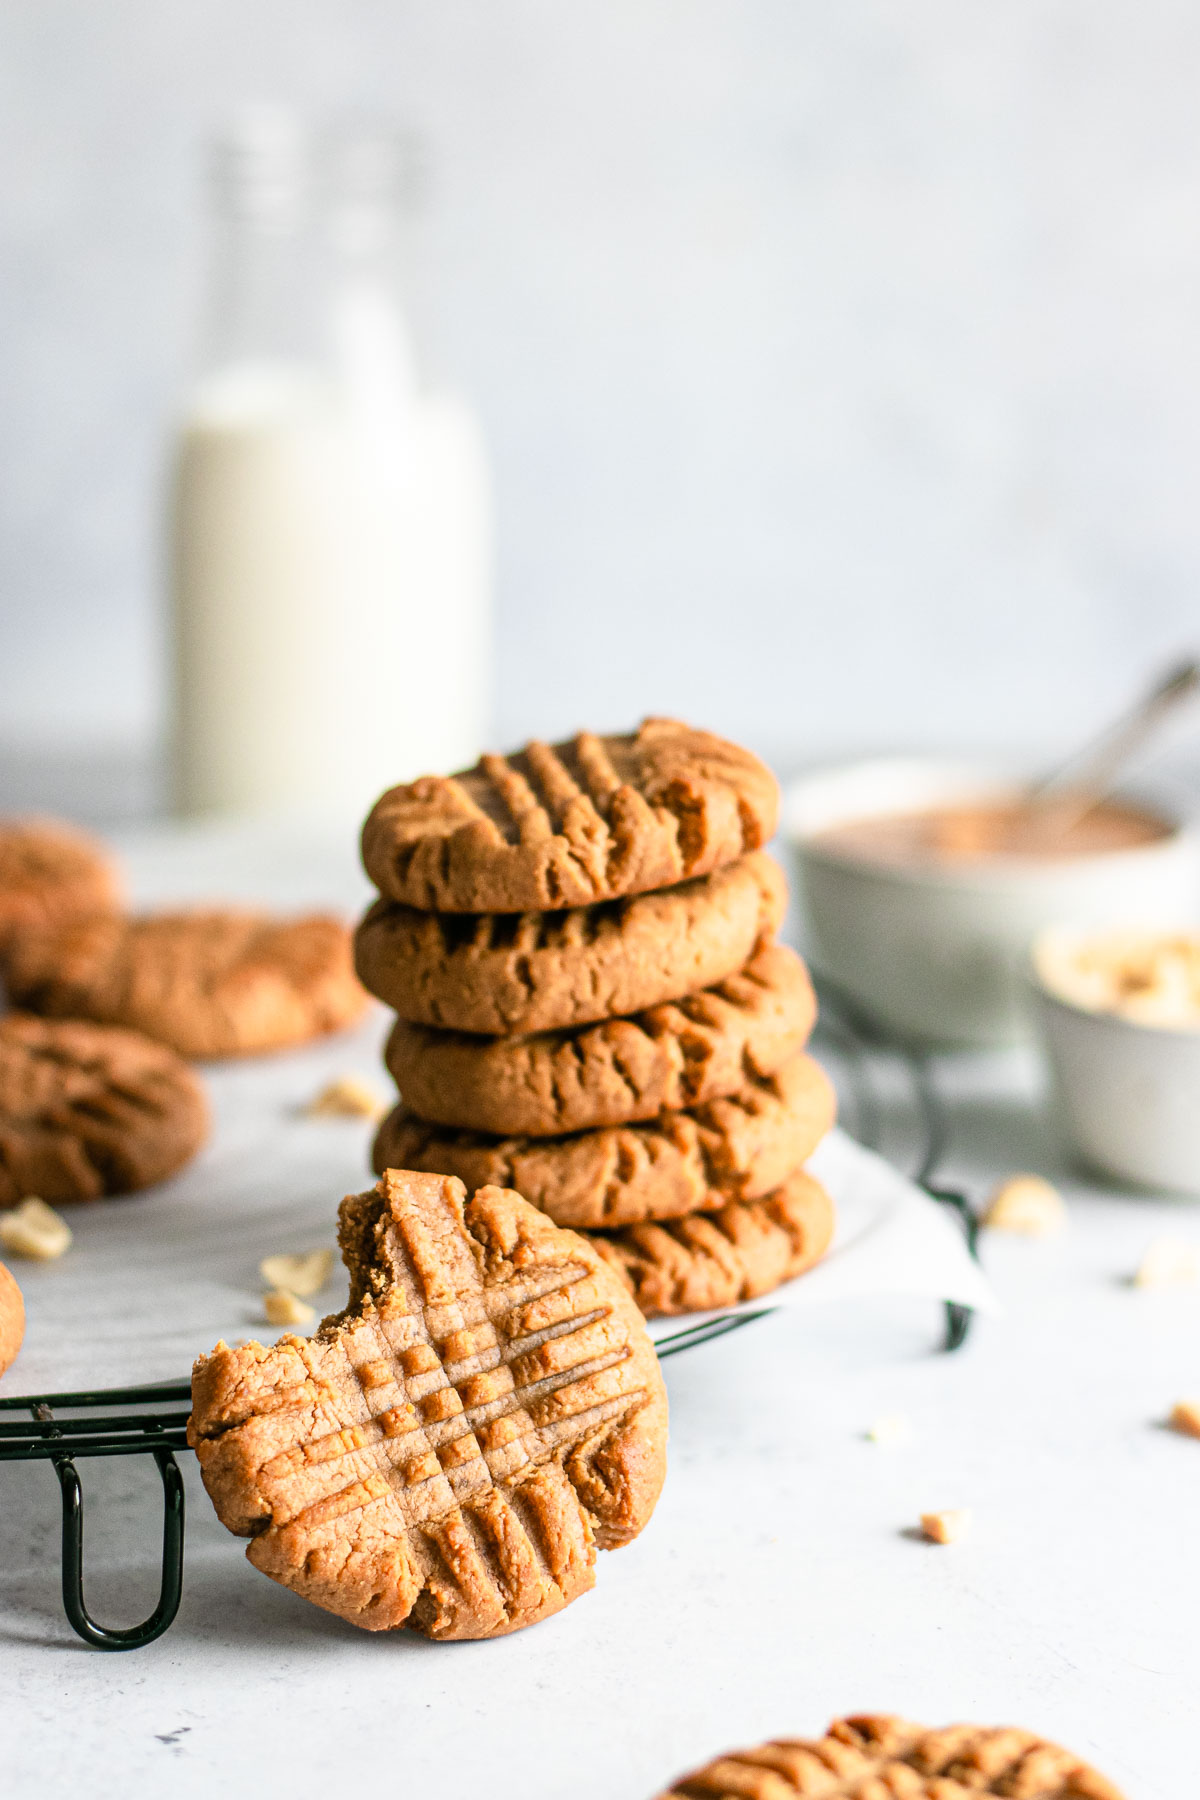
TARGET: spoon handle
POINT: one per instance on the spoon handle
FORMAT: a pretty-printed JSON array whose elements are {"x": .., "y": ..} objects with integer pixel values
[{"x": 1077, "y": 785}]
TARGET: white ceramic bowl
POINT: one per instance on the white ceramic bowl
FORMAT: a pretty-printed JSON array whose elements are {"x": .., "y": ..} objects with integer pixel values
[
  {"x": 937, "y": 952},
  {"x": 1128, "y": 1093}
]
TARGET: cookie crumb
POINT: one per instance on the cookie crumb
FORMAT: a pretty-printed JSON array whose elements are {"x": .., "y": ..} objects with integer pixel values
[
  {"x": 1027, "y": 1204},
  {"x": 302, "y": 1275},
  {"x": 1185, "y": 1417},
  {"x": 946, "y": 1527},
  {"x": 1168, "y": 1262},
  {"x": 282, "y": 1308},
  {"x": 890, "y": 1431},
  {"x": 346, "y": 1098},
  {"x": 35, "y": 1230}
]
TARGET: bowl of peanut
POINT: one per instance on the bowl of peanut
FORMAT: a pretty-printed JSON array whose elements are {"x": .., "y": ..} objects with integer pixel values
[{"x": 1119, "y": 1016}]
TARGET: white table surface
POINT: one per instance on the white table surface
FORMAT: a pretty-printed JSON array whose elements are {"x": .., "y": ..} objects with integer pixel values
[{"x": 780, "y": 1582}]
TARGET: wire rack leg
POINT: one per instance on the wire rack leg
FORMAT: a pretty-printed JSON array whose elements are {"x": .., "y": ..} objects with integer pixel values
[
  {"x": 856, "y": 1036},
  {"x": 959, "y": 1319},
  {"x": 130, "y": 1637}
]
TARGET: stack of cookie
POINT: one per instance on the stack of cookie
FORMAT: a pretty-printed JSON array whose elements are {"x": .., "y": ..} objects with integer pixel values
[{"x": 592, "y": 1010}]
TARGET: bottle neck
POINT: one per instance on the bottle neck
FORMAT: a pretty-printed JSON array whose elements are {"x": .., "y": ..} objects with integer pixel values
[
  {"x": 261, "y": 304},
  {"x": 305, "y": 262}
]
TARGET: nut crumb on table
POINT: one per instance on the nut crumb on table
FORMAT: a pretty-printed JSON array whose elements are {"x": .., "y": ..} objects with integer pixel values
[
  {"x": 282, "y": 1308},
  {"x": 890, "y": 1430},
  {"x": 346, "y": 1098},
  {"x": 304, "y": 1274},
  {"x": 1169, "y": 1262},
  {"x": 947, "y": 1527},
  {"x": 35, "y": 1230},
  {"x": 1185, "y": 1418},
  {"x": 1027, "y": 1204}
]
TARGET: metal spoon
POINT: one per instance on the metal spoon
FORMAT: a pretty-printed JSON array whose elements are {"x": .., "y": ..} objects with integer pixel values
[{"x": 1071, "y": 790}]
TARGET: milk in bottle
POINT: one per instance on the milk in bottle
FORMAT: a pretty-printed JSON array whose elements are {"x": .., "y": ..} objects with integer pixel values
[{"x": 330, "y": 521}]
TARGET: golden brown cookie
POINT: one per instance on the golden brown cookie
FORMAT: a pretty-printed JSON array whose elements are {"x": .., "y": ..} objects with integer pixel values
[
  {"x": 738, "y": 1148},
  {"x": 12, "y": 1318},
  {"x": 87, "y": 1110},
  {"x": 570, "y": 824},
  {"x": 680, "y": 1054},
  {"x": 873, "y": 1758},
  {"x": 447, "y": 1452},
  {"x": 215, "y": 983},
  {"x": 47, "y": 872},
  {"x": 714, "y": 1259},
  {"x": 499, "y": 973}
]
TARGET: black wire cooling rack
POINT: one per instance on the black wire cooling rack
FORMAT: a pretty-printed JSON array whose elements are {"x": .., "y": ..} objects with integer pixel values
[{"x": 152, "y": 1420}]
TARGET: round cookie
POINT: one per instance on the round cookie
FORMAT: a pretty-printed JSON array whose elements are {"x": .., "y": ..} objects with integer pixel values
[
  {"x": 681, "y": 1054},
  {"x": 502, "y": 974},
  {"x": 570, "y": 824},
  {"x": 212, "y": 983},
  {"x": 87, "y": 1110},
  {"x": 714, "y": 1259},
  {"x": 48, "y": 872},
  {"x": 12, "y": 1318},
  {"x": 879, "y": 1756},
  {"x": 737, "y": 1148},
  {"x": 446, "y": 1453}
]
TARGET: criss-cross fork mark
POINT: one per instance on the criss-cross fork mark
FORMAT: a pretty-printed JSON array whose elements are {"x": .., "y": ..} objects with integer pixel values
[
  {"x": 452, "y": 1450},
  {"x": 528, "y": 795},
  {"x": 564, "y": 825},
  {"x": 453, "y": 1445},
  {"x": 446, "y": 1412}
]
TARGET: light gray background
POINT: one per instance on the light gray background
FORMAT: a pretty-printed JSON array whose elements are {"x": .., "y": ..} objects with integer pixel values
[{"x": 839, "y": 362}]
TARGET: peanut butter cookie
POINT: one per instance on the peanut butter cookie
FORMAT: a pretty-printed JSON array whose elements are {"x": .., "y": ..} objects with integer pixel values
[
  {"x": 49, "y": 871},
  {"x": 446, "y": 1453},
  {"x": 87, "y": 1110},
  {"x": 737, "y": 1148},
  {"x": 680, "y": 1054},
  {"x": 218, "y": 983},
  {"x": 12, "y": 1318},
  {"x": 524, "y": 972},
  {"x": 713, "y": 1259},
  {"x": 871, "y": 1756},
  {"x": 570, "y": 824}
]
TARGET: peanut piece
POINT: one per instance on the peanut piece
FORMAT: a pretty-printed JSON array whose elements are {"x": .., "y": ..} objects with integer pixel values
[
  {"x": 890, "y": 1430},
  {"x": 302, "y": 1275},
  {"x": 35, "y": 1230},
  {"x": 946, "y": 1527},
  {"x": 1151, "y": 977},
  {"x": 1027, "y": 1204},
  {"x": 1169, "y": 1262},
  {"x": 1185, "y": 1417},
  {"x": 346, "y": 1098},
  {"x": 282, "y": 1308}
]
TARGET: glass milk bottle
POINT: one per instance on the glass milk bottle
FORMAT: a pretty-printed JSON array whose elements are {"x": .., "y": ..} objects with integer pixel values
[{"x": 330, "y": 521}]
